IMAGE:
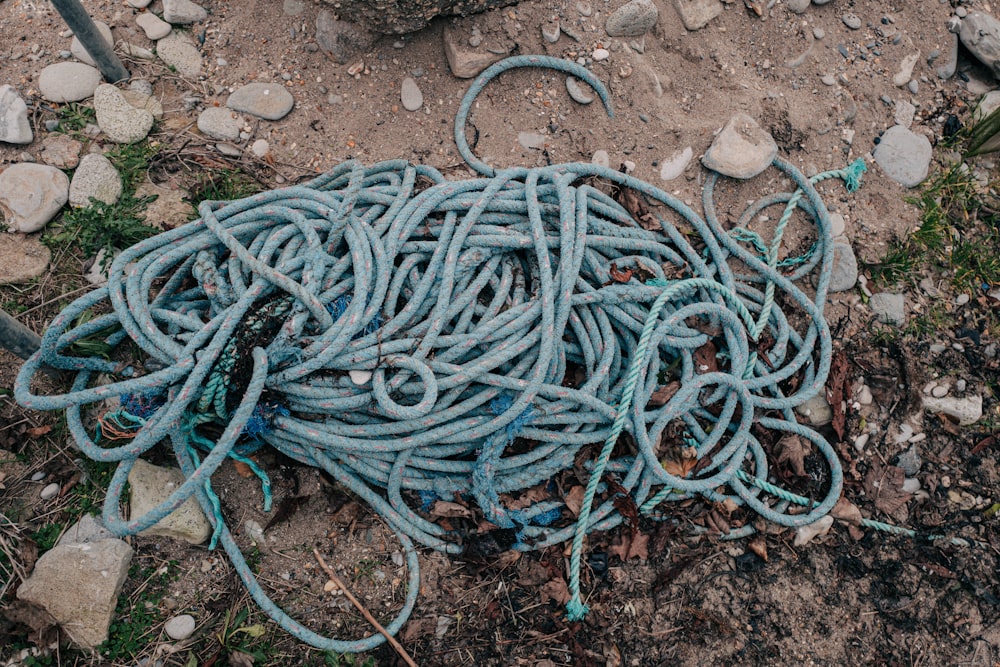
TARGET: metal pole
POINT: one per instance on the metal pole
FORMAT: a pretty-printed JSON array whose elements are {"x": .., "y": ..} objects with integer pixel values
[
  {"x": 16, "y": 337},
  {"x": 83, "y": 27}
]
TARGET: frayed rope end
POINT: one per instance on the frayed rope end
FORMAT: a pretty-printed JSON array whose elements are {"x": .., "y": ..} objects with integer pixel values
[
  {"x": 576, "y": 610},
  {"x": 853, "y": 173}
]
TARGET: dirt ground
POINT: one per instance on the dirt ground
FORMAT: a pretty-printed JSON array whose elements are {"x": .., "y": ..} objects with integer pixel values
[{"x": 852, "y": 597}]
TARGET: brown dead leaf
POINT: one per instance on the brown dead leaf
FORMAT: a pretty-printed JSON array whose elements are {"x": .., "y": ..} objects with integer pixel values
[
  {"x": 446, "y": 509},
  {"x": 792, "y": 450},
  {"x": 240, "y": 659},
  {"x": 758, "y": 545},
  {"x": 242, "y": 469},
  {"x": 43, "y": 627},
  {"x": 630, "y": 545},
  {"x": 681, "y": 468},
  {"x": 348, "y": 513},
  {"x": 556, "y": 591},
  {"x": 417, "y": 628},
  {"x": 662, "y": 396},
  {"x": 619, "y": 276},
  {"x": 612, "y": 656},
  {"x": 574, "y": 499},
  {"x": 529, "y": 497},
  {"x": 287, "y": 507},
  {"x": 885, "y": 485},
  {"x": 705, "y": 358},
  {"x": 983, "y": 444},
  {"x": 837, "y": 391},
  {"x": 847, "y": 512},
  {"x": 39, "y": 431}
]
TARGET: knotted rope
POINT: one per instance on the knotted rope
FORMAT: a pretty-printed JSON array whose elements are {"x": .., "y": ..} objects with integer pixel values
[{"x": 417, "y": 337}]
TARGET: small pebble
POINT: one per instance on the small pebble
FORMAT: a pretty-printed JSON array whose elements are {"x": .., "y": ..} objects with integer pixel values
[
  {"x": 260, "y": 148},
  {"x": 913, "y": 86},
  {"x": 476, "y": 38},
  {"x": 578, "y": 92},
  {"x": 939, "y": 391},
  {"x": 828, "y": 80},
  {"x": 49, "y": 492},
  {"x": 962, "y": 299},
  {"x": 180, "y": 627},
  {"x": 852, "y": 21},
  {"x": 410, "y": 95},
  {"x": 550, "y": 32},
  {"x": 602, "y": 158},
  {"x": 38, "y": 476},
  {"x": 51, "y": 125},
  {"x": 600, "y": 54},
  {"x": 960, "y": 385},
  {"x": 360, "y": 377},
  {"x": 861, "y": 441},
  {"x": 584, "y": 8},
  {"x": 397, "y": 558},
  {"x": 819, "y": 33}
]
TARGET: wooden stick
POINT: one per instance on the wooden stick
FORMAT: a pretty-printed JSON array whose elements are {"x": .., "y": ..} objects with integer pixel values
[{"x": 371, "y": 619}]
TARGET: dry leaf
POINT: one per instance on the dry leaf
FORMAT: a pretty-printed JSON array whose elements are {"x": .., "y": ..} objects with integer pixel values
[
  {"x": 758, "y": 545},
  {"x": 529, "y": 497},
  {"x": 805, "y": 534},
  {"x": 417, "y": 628},
  {"x": 240, "y": 659},
  {"x": 847, "y": 512},
  {"x": 619, "y": 276},
  {"x": 242, "y": 469},
  {"x": 612, "y": 656},
  {"x": 444, "y": 508},
  {"x": 792, "y": 450},
  {"x": 705, "y": 360},
  {"x": 39, "y": 431},
  {"x": 574, "y": 499},
  {"x": 680, "y": 468},
  {"x": 555, "y": 590},
  {"x": 837, "y": 390},
  {"x": 629, "y": 546},
  {"x": 662, "y": 396},
  {"x": 885, "y": 485}
]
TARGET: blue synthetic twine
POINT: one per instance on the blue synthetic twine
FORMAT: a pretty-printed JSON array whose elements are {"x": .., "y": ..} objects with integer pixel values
[{"x": 470, "y": 303}]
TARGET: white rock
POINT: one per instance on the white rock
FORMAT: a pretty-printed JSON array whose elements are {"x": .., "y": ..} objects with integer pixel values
[
  {"x": 910, "y": 485},
  {"x": 816, "y": 410},
  {"x": 632, "y": 19},
  {"x": 119, "y": 120},
  {"x": 905, "y": 431},
  {"x": 580, "y": 93},
  {"x": 410, "y": 95},
  {"x": 600, "y": 54},
  {"x": 902, "y": 77},
  {"x": 151, "y": 24},
  {"x": 806, "y": 534},
  {"x": 966, "y": 410},
  {"x": 904, "y": 155},
  {"x": 360, "y": 377},
  {"x": 260, "y": 148},
  {"x": 139, "y": 4},
  {"x": 695, "y": 14},
  {"x": 49, "y": 492},
  {"x": 80, "y": 53},
  {"x": 270, "y": 101},
  {"x": 601, "y": 158},
  {"x": 861, "y": 441},
  {"x": 837, "y": 225},
  {"x": 30, "y": 195},
  {"x": 742, "y": 149},
  {"x": 865, "y": 395},
  {"x": 183, "y": 12},
  {"x": 95, "y": 177},
  {"x": 939, "y": 391},
  {"x": 14, "y": 125},
  {"x": 180, "y": 627},
  {"x": 675, "y": 165},
  {"x": 180, "y": 53},
  {"x": 68, "y": 82},
  {"x": 220, "y": 123},
  {"x": 149, "y": 486}
]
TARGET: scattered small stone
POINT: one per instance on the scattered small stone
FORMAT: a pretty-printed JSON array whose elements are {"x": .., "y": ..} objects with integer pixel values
[
  {"x": 139, "y": 4},
  {"x": 39, "y": 476},
  {"x": 228, "y": 149},
  {"x": 120, "y": 121},
  {"x": 905, "y": 432},
  {"x": 220, "y": 123},
  {"x": 632, "y": 19},
  {"x": 341, "y": 39},
  {"x": 865, "y": 396},
  {"x": 464, "y": 61},
  {"x": 180, "y": 627},
  {"x": 852, "y": 21},
  {"x": 31, "y": 195},
  {"x": 600, "y": 54},
  {"x": 151, "y": 24},
  {"x": 904, "y": 155},
  {"x": 695, "y": 14},
  {"x": 51, "y": 124},
  {"x": 889, "y": 308},
  {"x": 22, "y": 258},
  {"x": 95, "y": 178},
  {"x": 601, "y": 158},
  {"x": 960, "y": 385},
  {"x": 861, "y": 441},
  {"x": 913, "y": 86},
  {"x": 270, "y": 101},
  {"x": 939, "y": 391},
  {"x": 584, "y": 8},
  {"x": 741, "y": 150},
  {"x": 967, "y": 410},
  {"x": 817, "y": 410},
  {"x": 910, "y": 461},
  {"x": 80, "y": 53},
  {"x": 260, "y": 148},
  {"x": 410, "y": 95},
  {"x": 675, "y": 165},
  {"x": 946, "y": 67},
  {"x": 14, "y": 125},
  {"x": 50, "y": 491},
  {"x": 905, "y": 112},
  {"x": 134, "y": 51},
  {"x": 962, "y": 299},
  {"x": 183, "y": 12},
  {"x": 78, "y": 585},
  {"x": 360, "y": 377},
  {"x": 577, "y": 91},
  {"x": 149, "y": 486},
  {"x": 980, "y": 33},
  {"x": 819, "y": 33},
  {"x": 531, "y": 140},
  {"x": 68, "y": 82},
  {"x": 845, "y": 267},
  {"x": 837, "y": 225},
  {"x": 179, "y": 52},
  {"x": 550, "y": 32},
  {"x": 798, "y": 6},
  {"x": 828, "y": 80},
  {"x": 141, "y": 87},
  {"x": 902, "y": 77},
  {"x": 475, "y": 37}
]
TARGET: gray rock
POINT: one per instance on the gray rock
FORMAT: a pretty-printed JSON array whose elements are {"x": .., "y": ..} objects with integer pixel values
[
  {"x": 141, "y": 86},
  {"x": 632, "y": 19},
  {"x": 31, "y": 195},
  {"x": 50, "y": 491},
  {"x": 341, "y": 39},
  {"x": 889, "y": 308},
  {"x": 293, "y": 7},
  {"x": 550, "y": 33},
  {"x": 22, "y": 258},
  {"x": 183, "y": 12},
  {"x": 531, "y": 140},
  {"x": 139, "y": 4},
  {"x": 989, "y": 103},
  {"x": 845, "y": 268},
  {"x": 180, "y": 53},
  {"x": 904, "y": 155},
  {"x": 675, "y": 165},
  {"x": 980, "y": 33},
  {"x": 88, "y": 529},
  {"x": 78, "y": 585},
  {"x": 220, "y": 123},
  {"x": 797, "y": 6},
  {"x": 95, "y": 177},
  {"x": 170, "y": 209},
  {"x": 150, "y": 485},
  {"x": 852, "y": 21},
  {"x": 14, "y": 125},
  {"x": 260, "y": 148},
  {"x": 138, "y": 52},
  {"x": 151, "y": 24},
  {"x": 966, "y": 410},
  {"x": 821, "y": 2},
  {"x": 579, "y": 92},
  {"x": 837, "y": 225},
  {"x": 601, "y": 157},
  {"x": 904, "y": 113},
  {"x": 742, "y": 149},
  {"x": 410, "y": 95},
  {"x": 816, "y": 410},
  {"x": 947, "y": 66},
  {"x": 143, "y": 101},
  {"x": 695, "y": 14},
  {"x": 180, "y": 627},
  {"x": 120, "y": 121},
  {"x": 228, "y": 149},
  {"x": 403, "y": 16},
  {"x": 464, "y": 61},
  {"x": 270, "y": 101},
  {"x": 68, "y": 82},
  {"x": 80, "y": 53}
]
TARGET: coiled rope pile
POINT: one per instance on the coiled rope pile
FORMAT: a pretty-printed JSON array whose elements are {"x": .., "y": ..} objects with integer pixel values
[{"x": 402, "y": 331}]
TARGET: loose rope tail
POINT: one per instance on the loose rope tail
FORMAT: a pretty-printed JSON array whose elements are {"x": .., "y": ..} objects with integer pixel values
[{"x": 423, "y": 339}]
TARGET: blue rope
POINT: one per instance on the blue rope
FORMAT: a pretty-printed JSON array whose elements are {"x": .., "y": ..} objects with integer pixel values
[{"x": 469, "y": 303}]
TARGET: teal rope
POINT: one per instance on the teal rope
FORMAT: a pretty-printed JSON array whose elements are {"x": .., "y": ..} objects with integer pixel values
[{"x": 467, "y": 302}]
